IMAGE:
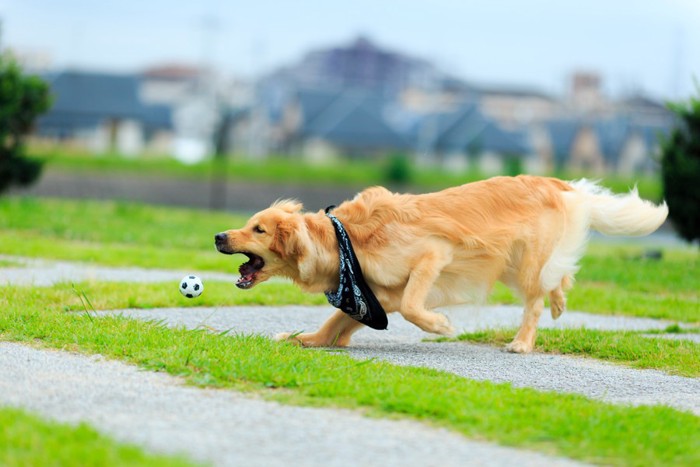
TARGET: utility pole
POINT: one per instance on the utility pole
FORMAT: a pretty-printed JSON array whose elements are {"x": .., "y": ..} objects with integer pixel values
[{"x": 208, "y": 89}]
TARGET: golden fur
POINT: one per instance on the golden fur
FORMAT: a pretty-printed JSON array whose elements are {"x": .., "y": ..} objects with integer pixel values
[{"x": 419, "y": 252}]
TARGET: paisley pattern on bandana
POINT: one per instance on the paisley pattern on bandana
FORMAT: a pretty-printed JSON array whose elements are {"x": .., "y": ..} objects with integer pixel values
[{"x": 354, "y": 297}]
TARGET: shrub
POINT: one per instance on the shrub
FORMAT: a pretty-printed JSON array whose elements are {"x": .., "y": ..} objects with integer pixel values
[
  {"x": 22, "y": 99},
  {"x": 398, "y": 169},
  {"x": 680, "y": 168}
]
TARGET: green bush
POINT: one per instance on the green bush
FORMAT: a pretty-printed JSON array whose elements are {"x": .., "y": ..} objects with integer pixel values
[
  {"x": 398, "y": 170},
  {"x": 513, "y": 165},
  {"x": 680, "y": 168},
  {"x": 22, "y": 99}
]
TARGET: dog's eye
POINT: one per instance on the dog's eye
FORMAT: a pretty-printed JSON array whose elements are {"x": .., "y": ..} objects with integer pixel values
[{"x": 258, "y": 229}]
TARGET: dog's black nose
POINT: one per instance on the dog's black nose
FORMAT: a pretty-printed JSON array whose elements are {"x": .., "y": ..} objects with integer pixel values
[{"x": 220, "y": 237}]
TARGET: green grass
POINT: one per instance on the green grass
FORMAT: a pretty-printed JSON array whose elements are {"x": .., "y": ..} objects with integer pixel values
[
  {"x": 560, "y": 424},
  {"x": 674, "y": 329},
  {"x": 115, "y": 295},
  {"x": 115, "y": 234},
  {"x": 286, "y": 169},
  {"x": 612, "y": 279},
  {"x": 678, "y": 357},
  {"x": 26, "y": 440},
  {"x": 36, "y": 245},
  {"x": 114, "y": 222}
]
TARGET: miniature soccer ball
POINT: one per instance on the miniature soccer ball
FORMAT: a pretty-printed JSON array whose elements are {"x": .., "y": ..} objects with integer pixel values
[{"x": 191, "y": 286}]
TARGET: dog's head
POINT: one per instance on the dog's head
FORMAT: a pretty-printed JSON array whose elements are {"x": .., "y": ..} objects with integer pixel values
[{"x": 275, "y": 241}]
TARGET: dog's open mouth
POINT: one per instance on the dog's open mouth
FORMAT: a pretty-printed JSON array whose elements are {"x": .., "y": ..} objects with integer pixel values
[{"x": 249, "y": 270}]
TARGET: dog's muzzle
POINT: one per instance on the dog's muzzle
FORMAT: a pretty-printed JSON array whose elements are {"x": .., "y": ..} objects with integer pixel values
[{"x": 221, "y": 243}]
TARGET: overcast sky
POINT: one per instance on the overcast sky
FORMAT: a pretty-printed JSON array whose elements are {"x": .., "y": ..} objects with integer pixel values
[{"x": 647, "y": 45}]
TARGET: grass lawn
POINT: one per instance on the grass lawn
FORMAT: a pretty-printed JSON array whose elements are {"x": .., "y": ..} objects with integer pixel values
[
  {"x": 678, "y": 357},
  {"x": 612, "y": 280},
  {"x": 561, "y": 424},
  {"x": 111, "y": 295},
  {"x": 26, "y": 440},
  {"x": 129, "y": 234}
]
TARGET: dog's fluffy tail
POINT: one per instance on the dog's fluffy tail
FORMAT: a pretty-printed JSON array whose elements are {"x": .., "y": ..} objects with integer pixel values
[
  {"x": 590, "y": 206},
  {"x": 625, "y": 214}
]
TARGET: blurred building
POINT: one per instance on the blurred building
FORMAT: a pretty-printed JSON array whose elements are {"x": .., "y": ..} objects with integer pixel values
[
  {"x": 360, "y": 64},
  {"x": 357, "y": 100},
  {"x": 327, "y": 124},
  {"x": 101, "y": 112},
  {"x": 170, "y": 109}
]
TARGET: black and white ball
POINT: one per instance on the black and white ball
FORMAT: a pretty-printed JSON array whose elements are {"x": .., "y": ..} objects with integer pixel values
[{"x": 191, "y": 286}]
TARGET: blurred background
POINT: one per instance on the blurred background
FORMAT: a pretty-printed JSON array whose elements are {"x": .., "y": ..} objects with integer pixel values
[{"x": 232, "y": 105}]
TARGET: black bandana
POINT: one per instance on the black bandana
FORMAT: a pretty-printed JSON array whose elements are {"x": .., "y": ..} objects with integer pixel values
[{"x": 354, "y": 296}]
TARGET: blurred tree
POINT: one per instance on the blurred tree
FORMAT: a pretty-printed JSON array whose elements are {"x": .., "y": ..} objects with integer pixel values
[
  {"x": 398, "y": 169},
  {"x": 22, "y": 99},
  {"x": 680, "y": 168},
  {"x": 513, "y": 165}
]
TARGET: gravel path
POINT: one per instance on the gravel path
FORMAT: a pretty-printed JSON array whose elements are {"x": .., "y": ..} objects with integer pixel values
[
  {"x": 403, "y": 344},
  {"x": 43, "y": 272},
  {"x": 224, "y": 427},
  {"x": 231, "y": 429}
]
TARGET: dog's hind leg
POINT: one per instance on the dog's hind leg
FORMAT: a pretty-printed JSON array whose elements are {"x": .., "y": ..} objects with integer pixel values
[
  {"x": 557, "y": 300},
  {"x": 530, "y": 286},
  {"x": 335, "y": 332},
  {"x": 421, "y": 280}
]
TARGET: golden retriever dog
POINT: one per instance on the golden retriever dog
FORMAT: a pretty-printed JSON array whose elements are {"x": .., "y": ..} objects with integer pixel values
[{"x": 420, "y": 252}]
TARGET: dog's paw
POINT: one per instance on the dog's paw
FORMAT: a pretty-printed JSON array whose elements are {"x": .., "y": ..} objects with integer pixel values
[
  {"x": 557, "y": 309},
  {"x": 443, "y": 326},
  {"x": 288, "y": 337},
  {"x": 557, "y": 304},
  {"x": 519, "y": 347}
]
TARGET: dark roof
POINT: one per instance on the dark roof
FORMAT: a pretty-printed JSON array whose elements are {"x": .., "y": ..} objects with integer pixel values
[
  {"x": 96, "y": 93},
  {"x": 467, "y": 130},
  {"x": 612, "y": 134},
  {"x": 157, "y": 116},
  {"x": 315, "y": 101},
  {"x": 642, "y": 101},
  {"x": 562, "y": 134},
  {"x": 86, "y": 99},
  {"x": 351, "y": 119}
]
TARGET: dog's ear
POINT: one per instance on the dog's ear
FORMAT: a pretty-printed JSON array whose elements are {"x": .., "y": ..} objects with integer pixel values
[
  {"x": 291, "y": 242},
  {"x": 290, "y": 206},
  {"x": 285, "y": 242}
]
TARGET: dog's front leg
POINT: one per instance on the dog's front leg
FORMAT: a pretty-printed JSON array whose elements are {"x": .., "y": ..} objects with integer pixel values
[
  {"x": 335, "y": 332},
  {"x": 421, "y": 280}
]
